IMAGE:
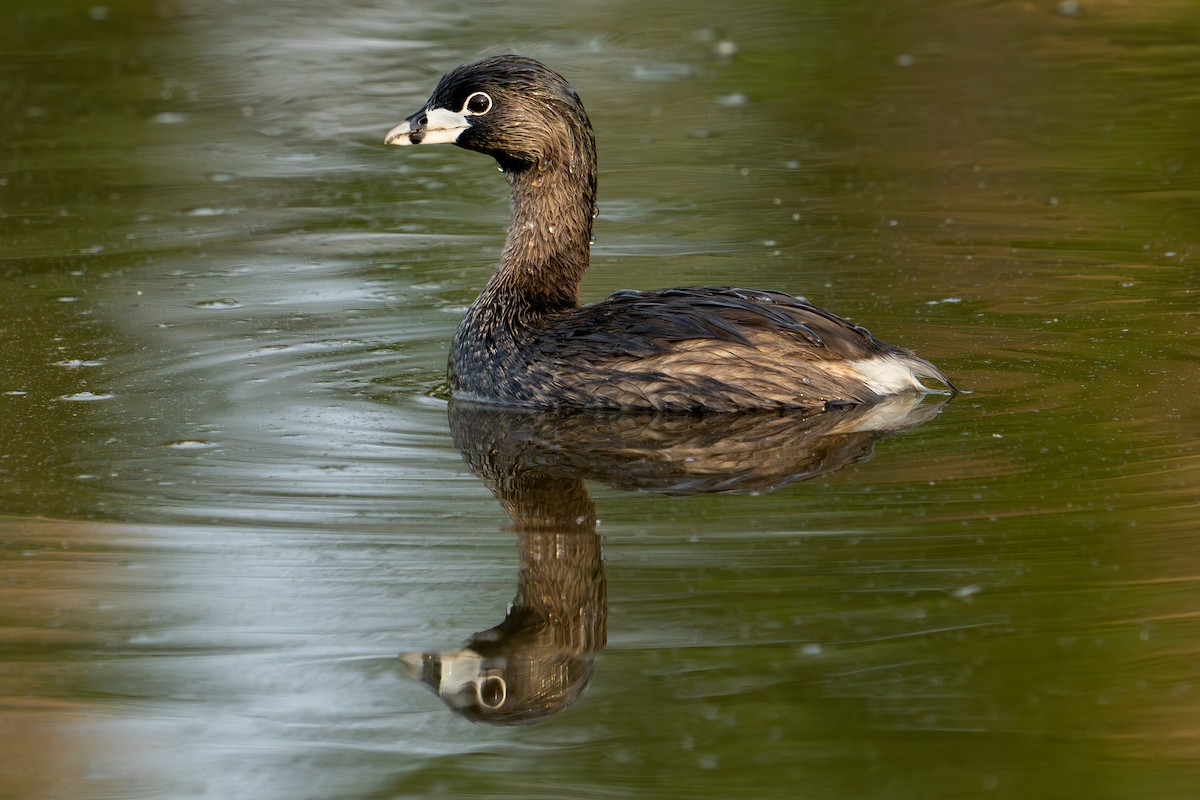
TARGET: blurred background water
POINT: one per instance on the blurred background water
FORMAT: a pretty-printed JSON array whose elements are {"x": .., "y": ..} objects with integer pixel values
[{"x": 232, "y": 493}]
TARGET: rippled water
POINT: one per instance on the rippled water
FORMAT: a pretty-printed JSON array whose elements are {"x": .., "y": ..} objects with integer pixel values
[{"x": 233, "y": 492}]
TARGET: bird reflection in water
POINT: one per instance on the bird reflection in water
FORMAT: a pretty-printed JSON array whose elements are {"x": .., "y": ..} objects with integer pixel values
[{"x": 539, "y": 660}]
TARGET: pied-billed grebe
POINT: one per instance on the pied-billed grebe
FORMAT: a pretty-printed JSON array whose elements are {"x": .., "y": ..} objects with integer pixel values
[{"x": 526, "y": 341}]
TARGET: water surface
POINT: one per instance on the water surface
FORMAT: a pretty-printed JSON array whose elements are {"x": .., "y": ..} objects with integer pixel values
[{"x": 233, "y": 492}]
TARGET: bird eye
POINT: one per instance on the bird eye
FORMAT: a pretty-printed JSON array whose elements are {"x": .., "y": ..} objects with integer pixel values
[
  {"x": 492, "y": 691},
  {"x": 479, "y": 103}
]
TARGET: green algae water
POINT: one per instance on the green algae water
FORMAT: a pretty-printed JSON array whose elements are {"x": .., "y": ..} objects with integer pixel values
[{"x": 233, "y": 493}]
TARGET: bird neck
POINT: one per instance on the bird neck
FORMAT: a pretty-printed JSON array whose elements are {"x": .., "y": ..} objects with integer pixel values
[{"x": 549, "y": 238}]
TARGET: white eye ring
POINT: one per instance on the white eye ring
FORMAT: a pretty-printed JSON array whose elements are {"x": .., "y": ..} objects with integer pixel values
[
  {"x": 478, "y": 104},
  {"x": 494, "y": 687}
]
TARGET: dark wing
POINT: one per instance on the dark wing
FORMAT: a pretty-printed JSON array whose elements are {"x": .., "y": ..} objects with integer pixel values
[
  {"x": 716, "y": 348},
  {"x": 643, "y": 324}
]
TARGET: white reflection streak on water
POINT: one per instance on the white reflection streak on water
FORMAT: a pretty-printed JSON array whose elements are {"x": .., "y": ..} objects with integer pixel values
[{"x": 300, "y": 555}]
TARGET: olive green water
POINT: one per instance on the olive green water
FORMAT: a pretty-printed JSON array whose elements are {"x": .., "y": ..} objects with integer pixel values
[{"x": 231, "y": 494}]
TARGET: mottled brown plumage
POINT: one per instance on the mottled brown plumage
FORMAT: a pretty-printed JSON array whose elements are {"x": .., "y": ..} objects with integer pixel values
[{"x": 526, "y": 341}]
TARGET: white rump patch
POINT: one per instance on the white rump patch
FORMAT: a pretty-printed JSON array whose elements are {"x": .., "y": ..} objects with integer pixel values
[{"x": 890, "y": 375}]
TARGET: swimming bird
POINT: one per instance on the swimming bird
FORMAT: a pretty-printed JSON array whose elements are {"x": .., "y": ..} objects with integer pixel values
[{"x": 526, "y": 341}]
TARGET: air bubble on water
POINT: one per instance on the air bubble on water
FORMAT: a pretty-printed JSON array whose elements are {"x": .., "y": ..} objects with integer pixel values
[{"x": 191, "y": 444}]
